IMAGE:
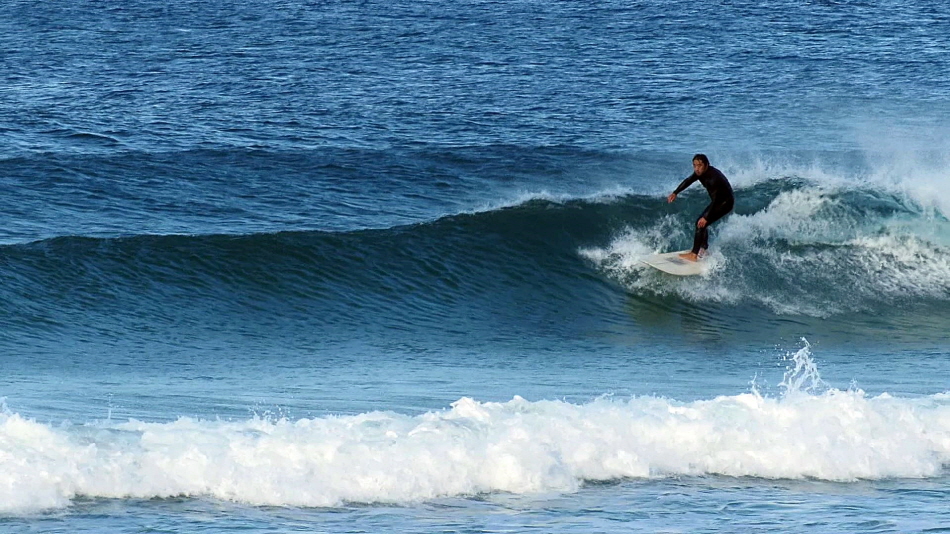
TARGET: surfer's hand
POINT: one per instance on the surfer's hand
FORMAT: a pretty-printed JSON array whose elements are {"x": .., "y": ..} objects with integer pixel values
[
  {"x": 671, "y": 198},
  {"x": 701, "y": 223}
]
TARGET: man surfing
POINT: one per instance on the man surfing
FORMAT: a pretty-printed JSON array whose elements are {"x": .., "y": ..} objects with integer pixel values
[{"x": 720, "y": 191}]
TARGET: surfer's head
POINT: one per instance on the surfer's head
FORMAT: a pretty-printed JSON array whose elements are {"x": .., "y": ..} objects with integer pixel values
[{"x": 700, "y": 164}]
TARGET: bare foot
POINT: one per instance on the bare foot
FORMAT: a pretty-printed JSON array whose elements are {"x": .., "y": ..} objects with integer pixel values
[{"x": 689, "y": 256}]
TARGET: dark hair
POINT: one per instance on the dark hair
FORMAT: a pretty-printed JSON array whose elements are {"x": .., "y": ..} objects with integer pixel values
[{"x": 703, "y": 158}]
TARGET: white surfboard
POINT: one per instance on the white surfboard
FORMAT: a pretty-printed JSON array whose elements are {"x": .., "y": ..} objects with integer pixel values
[{"x": 672, "y": 263}]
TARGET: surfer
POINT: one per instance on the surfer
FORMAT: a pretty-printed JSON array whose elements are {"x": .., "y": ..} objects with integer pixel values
[{"x": 719, "y": 191}]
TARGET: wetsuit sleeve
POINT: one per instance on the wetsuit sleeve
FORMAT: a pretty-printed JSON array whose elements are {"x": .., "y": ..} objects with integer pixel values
[{"x": 686, "y": 183}]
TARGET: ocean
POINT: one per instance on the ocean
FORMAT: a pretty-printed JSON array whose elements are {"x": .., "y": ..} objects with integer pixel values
[{"x": 364, "y": 266}]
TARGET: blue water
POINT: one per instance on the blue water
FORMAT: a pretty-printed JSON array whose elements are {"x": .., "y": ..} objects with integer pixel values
[{"x": 374, "y": 267}]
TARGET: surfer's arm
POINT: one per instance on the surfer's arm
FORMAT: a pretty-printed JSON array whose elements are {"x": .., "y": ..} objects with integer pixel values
[{"x": 686, "y": 183}]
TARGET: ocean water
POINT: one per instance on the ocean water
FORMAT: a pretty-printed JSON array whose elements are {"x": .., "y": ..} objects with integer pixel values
[{"x": 363, "y": 266}]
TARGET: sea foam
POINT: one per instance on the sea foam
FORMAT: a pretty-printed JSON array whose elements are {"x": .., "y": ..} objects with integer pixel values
[
  {"x": 519, "y": 446},
  {"x": 863, "y": 248}
]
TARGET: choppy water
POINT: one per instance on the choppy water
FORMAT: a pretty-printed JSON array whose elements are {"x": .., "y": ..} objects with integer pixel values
[{"x": 341, "y": 266}]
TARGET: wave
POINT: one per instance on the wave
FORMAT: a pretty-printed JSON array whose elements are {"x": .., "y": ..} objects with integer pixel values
[
  {"x": 809, "y": 431},
  {"x": 793, "y": 248},
  {"x": 253, "y": 191}
]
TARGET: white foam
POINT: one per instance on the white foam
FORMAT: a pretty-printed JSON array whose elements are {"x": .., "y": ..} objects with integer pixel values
[
  {"x": 913, "y": 162},
  {"x": 621, "y": 259},
  {"x": 623, "y": 254},
  {"x": 809, "y": 236},
  {"x": 603, "y": 195},
  {"x": 476, "y": 447},
  {"x": 810, "y": 215},
  {"x": 877, "y": 260},
  {"x": 747, "y": 172},
  {"x": 911, "y": 167}
]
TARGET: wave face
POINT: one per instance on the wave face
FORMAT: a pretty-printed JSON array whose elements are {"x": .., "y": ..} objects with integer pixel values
[
  {"x": 810, "y": 431},
  {"x": 794, "y": 248}
]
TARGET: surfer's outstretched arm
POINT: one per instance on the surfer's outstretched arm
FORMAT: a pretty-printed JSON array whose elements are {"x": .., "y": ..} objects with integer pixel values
[{"x": 683, "y": 185}]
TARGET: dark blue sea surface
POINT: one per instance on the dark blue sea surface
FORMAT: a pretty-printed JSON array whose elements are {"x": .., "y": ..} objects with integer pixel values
[{"x": 375, "y": 266}]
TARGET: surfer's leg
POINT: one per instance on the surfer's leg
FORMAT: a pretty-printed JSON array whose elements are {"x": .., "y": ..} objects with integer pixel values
[
  {"x": 699, "y": 242},
  {"x": 718, "y": 213},
  {"x": 701, "y": 238}
]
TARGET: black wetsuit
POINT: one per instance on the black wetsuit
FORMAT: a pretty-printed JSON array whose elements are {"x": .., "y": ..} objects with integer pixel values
[{"x": 722, "y": 201}]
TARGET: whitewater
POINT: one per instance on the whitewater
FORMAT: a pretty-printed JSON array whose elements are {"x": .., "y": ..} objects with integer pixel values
[{"x": 811, "y": 431}]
